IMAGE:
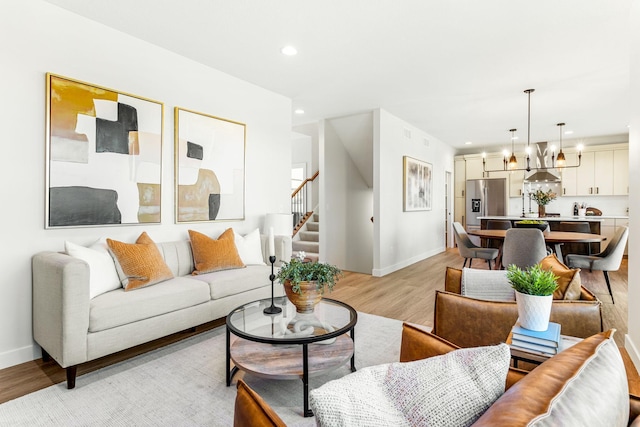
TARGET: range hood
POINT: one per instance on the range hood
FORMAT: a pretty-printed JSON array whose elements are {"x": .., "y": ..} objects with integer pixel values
[{"x": 541, "y": 170}]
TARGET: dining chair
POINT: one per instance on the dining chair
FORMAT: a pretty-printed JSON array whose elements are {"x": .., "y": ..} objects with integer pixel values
[
  {"x": 497, "y": 224},
  {"x": 607, "y": 260},
  {"x": 469, "y": 250},
  {"x": 523, "y": 247},
  {"x": 575, "y": 227}
]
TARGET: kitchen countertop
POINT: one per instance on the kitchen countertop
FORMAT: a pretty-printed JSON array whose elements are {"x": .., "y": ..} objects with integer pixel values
[{"x": 560, "y": 218}]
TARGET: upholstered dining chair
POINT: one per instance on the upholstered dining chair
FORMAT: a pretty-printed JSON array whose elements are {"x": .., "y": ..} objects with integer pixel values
[
  {"x": 497, "y": 224},
  {"x": 575, "y": 227},
  {"x": 607, "y": 260},
  {"x": 523, "y": 247},
  {"x": 469, "y": 250}
]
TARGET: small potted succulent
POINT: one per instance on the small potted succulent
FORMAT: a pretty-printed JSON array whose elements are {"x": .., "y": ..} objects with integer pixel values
[
  {"x": 534, "y": 295},
  {"x": 305, "y": 282}
]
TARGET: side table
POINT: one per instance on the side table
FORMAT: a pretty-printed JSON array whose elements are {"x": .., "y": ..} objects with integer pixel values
[{"x": 535, "y": 357}]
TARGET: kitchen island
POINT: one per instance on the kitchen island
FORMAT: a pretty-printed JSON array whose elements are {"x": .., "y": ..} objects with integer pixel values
[{"x": 598, "y": 224}]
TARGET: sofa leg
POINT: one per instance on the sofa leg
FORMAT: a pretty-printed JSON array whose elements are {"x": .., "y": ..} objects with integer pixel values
[
  {"x": 71, "y": 376},
  {"x": 45, "y": 356}
]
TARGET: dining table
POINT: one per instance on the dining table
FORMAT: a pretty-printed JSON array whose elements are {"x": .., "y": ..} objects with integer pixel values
[{"x": 554, "y": 239}]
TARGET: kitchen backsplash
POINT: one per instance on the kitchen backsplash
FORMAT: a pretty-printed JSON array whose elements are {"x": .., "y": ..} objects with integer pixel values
[{"x": 609, "y": 205}]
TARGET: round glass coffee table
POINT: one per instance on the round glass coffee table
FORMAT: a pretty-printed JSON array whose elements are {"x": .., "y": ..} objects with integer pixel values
[{"x": 290, "y": 345}]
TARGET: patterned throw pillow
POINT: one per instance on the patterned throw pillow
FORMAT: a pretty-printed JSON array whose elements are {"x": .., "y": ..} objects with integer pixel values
[
  {"x": 213, "y": 255},
  {"x": 449, "y": 390},
  {"x": 141, "y": 263}
]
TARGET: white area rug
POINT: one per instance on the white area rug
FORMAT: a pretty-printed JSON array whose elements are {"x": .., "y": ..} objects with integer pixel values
[{"x": 184, "y": 385}]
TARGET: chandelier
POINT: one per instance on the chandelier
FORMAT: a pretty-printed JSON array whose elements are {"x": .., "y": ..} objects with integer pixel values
[{"x": 510, "y": 163}]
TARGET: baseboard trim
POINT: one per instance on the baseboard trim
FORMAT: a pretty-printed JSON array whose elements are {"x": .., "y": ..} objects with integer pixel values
[
  {"x": 379, "y": 272},
  {"x": 19, "y": 355},
  {"x": 633, "y": 351}
]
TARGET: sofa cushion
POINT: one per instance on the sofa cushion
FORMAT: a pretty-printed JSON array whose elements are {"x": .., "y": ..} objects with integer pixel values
[
  {"x": 214, "y": 255},
  {"x": 231, "y": 282},
  {"x": 490, "y": 285},
  {"x": 449, "y": 390},
  {"x": 566, "y": 386},
  {"x": 250, "y": 248},
  {"x": 139, "y": 264},
  {"x": 569, "y": 283},
  {"x": 117, "y": 308},
  {"x": 103, "y": 276}
]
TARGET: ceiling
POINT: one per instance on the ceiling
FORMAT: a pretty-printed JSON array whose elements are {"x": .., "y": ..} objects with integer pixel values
[{"x": 455, "y": 69}]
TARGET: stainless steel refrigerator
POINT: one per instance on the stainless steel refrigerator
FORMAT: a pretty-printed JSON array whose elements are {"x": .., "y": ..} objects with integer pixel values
[{"x": 485, "y": 197}]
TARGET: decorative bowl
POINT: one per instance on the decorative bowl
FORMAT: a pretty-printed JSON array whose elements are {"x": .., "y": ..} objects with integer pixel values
[{"x": 540, "y": 225}]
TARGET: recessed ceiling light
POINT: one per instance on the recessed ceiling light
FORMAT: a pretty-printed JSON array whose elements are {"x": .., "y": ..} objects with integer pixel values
[
  {"x": 468, "y": 143},
  {"x": 568, "y": 132},
  {"x": 289, "y": 50},
  {"x": 299, "y": 111},
  {"x": 514, "y": 138}
]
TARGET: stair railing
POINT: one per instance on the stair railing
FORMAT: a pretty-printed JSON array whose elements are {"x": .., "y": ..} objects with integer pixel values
[{"x": 299, "y": 203}]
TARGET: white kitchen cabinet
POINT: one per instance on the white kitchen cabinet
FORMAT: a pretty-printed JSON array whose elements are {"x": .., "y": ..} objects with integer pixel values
[
  {"x": 496, "y": 164},
  {"x": 570, "y": 176},
  {"x": 516, "y": 181},
  {"x": 595, "y": 175},
  {"x": 474, "y": 168},
  {"x": 621, "y": 172},
  {"x": 459, "y": 178},
  {"x": 608, "y": 229},
  {"x": 458, "y": 210}
]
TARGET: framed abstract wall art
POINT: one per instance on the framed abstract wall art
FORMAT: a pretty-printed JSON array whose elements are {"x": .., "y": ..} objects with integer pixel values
[
  {"x": 103, "y": 156},
  {"x": 210, "y": 167},
  {"x": 418, "y": 182}
]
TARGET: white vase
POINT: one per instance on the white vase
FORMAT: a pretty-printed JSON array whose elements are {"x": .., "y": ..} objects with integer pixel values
[{"x": 534, "y": 311}]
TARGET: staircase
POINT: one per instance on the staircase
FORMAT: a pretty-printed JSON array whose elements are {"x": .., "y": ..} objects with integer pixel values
[{"x": 309, "y": 236}]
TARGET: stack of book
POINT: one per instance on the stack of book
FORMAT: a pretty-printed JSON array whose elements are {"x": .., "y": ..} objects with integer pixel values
[{"x": 545, "y": 343}]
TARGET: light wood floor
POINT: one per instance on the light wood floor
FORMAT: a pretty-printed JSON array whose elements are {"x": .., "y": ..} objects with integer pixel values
[{"x": 406, "y": 295}]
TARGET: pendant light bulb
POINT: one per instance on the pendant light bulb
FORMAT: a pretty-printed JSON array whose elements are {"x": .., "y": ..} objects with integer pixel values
[
  {"x": 561, "y": 161},
  {"x": 513, "y": 162}
]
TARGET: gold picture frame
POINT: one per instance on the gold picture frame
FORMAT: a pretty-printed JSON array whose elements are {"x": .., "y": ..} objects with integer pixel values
[
  {"x": 103, "y": 155},
  {"x": 209, "y": 167}
]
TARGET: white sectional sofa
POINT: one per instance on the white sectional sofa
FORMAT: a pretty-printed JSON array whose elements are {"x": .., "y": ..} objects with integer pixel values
[{"x": 73, "y": 328}]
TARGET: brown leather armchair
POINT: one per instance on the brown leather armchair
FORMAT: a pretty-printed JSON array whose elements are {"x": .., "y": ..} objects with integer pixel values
[{"x": 470, "y": 322}]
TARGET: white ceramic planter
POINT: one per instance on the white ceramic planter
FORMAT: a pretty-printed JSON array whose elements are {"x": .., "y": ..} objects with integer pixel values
[{"x": 534, "y": 311}]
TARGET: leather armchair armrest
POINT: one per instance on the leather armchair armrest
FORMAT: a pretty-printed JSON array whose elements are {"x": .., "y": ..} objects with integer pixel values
[
  {"x": 419, "y": 344},
  {"x": 453, "y": 280},
  {"x": 252, "y": 411},
  {"x": 634, "y": 410}
]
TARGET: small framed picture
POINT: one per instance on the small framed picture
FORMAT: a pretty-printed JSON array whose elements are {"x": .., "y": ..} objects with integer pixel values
[{"x": 418, "y": 182}]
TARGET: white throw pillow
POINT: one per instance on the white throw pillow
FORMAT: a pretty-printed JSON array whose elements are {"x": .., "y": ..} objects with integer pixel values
[
  {"x": 454, "y": 389},
  {"x": 102, "y": 270},
  {"x": 249, "y": 248}
]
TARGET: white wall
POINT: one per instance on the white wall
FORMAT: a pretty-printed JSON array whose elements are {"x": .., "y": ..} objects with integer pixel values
[
  {"x": 38, "y": 38},
  {"x": 346, "y": 232},
  {"x": 632, "y": 343},
  {"x": 406, "y": 237}
]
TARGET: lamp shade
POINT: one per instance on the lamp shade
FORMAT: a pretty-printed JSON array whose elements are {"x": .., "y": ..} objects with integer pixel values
[{"x": 282, "y": 224}]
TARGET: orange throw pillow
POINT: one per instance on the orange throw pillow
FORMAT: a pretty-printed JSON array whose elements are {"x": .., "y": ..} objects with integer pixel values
[
  {"x": 141, "y": 262},
  {"x": 214, "y": 255},
  {"x": 569, "y": 283}
]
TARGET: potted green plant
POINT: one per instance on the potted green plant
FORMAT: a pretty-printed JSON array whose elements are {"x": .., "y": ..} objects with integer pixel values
[
  {"x": 534, "y": 295},
  {"x": 305, "y": 282},
  {"x": 542, "y": 199}
]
